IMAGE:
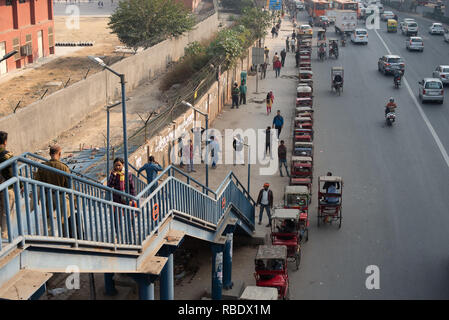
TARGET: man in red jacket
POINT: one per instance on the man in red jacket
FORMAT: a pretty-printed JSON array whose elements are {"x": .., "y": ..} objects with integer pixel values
[{"x": 265, "y": 200}]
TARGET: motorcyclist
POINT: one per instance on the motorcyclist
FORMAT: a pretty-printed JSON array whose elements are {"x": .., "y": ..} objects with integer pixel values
[
  {"x": 343, "y": 39},
  {"x": 321, "y": 49},
  {"x": 397, "y": 76},
  {"x": 390, "y": 107},
  {"x": 333, "y": 48}
]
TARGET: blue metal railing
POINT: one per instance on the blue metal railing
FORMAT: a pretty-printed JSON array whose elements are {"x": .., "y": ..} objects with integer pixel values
[{"x": 83, "y": 213}]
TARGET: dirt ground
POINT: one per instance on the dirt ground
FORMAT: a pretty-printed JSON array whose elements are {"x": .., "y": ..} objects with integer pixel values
[{"x": 67, "y": 69}]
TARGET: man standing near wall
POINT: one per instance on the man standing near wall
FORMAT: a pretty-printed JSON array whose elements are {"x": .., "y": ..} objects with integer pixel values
[
  {"x": 243, "y": 92},
  {"x": 235, "y": 95},
  {"x": 5, "y": 175},
  {"x": 151, "y": 169}
]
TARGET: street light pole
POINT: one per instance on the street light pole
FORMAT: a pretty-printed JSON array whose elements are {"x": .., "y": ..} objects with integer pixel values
[
  {"x": 207, "y": 127},
  {"x": 125, "y": 136},
  {"x": 8, "y": 55}
]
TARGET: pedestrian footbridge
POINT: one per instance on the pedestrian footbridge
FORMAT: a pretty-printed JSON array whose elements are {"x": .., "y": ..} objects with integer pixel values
[{"x": 49, "y": 229}]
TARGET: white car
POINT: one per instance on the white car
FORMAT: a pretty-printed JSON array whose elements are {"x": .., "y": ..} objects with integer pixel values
[
  {"x": 431, "y": 89},
  {"x": 446, "y": 35},
  {"x": 410, "y": 28},
  {"x": 414, "y": 43},
  {"x": 442, "y": 73},
  {"x": 387, "y": 15},
  {"x": 404, "y": 21},
  {"x": 436, "y": 28},
  {"x": 359, "y": 36}
]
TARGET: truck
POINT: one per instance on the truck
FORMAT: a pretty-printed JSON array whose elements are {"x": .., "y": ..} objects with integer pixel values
[{"x": 345, "y": 21}]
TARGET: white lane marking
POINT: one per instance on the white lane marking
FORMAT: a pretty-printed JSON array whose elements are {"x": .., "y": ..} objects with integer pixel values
[{"x": 421, "y": 112}]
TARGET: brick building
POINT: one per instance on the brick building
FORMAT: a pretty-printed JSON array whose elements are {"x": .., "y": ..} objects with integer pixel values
[{"x": 26, "y": 26}]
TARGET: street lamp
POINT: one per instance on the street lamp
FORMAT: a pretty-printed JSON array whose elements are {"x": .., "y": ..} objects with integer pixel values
[
  {"x": 97, "y": 60},
  {"x": 207, "y": 127},
  {"x": 8, "y": 55}
]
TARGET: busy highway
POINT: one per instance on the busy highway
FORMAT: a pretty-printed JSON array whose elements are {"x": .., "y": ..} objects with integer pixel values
[{"x": 395, "y": 198}]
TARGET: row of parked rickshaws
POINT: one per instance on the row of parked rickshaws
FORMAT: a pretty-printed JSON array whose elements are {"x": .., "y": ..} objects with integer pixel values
[{"x": 290, "y": 224}]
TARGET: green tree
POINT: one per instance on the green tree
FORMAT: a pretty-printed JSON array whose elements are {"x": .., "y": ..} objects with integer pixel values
[
  {"x": 256, "y": 20},
  {"x": 143, "y": 23},
  {"x": 237, "y": 5}
]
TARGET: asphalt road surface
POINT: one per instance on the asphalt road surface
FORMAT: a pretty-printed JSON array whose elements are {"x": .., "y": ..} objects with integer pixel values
[{"x": 395, "y": 195}]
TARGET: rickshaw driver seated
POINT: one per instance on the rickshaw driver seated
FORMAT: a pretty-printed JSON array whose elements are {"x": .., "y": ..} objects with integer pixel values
[
  {"x": 337, "y": 79},
  {"x": 288, "y": 226},
  {"x": 331, "y": 187},
  {"x": 391, "y": 106}
]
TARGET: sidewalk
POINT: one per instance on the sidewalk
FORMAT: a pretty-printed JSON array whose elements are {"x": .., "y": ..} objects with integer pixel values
[{"x": 252, "y": 115}]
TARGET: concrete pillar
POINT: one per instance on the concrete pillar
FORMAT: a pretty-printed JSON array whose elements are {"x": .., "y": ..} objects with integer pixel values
[
  {"x": 109, "y": 284},
  {"x": 167, "y": 280},
  {"x": 217, "y": 271},
  {"x": 146, "y": 287},
  {"x": 227, "y": 262}
]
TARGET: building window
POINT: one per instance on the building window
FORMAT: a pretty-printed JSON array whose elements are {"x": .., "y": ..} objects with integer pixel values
[
  {"x": 22, "y": 1},
  {"x": 9, "y": 2}
]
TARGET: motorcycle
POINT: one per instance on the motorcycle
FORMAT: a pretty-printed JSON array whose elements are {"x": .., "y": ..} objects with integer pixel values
[
  {"x": 390, "y": 117},
  {"x": 343, "y": 42},
  {"x": 321, "y": 54},
  {"x": 397, "y": 82}
]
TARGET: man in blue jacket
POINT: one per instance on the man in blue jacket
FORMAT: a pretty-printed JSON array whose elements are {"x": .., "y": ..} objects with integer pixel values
[
  {"x": 278, "y": 122},
  {"x": 151, "y": 169}
]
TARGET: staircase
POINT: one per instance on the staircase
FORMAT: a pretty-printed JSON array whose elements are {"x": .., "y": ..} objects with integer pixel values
[{"x": 92, "y": 233}]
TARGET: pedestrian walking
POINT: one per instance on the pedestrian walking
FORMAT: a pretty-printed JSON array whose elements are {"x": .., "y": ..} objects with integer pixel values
[
  {"x": 283, "y": 55},
  {"x": 197, "y": 131},
  {"x": 266, "y": 51},
  {"x": 282, "y": 157},
  {"x": 297, "y": 57},
  {"x": 151, "y": 169},
  {"x": 117, "y": 181},
  {"x": 292, "y": 44},
  {"x": 270, "y": 100},
  {"x": 287, "y": 44},
  {"x": 237, "y": 144},
  {"x": 268, "y": 142},
  {"x": 242, "y": 90},
  {"x": 180, "y": 152},
  {"x": 6, "y": 174},
  {"x": 190, "y": 153},
  {"x": 277, "y": 68},
  {"x": 235, "y": 95},
  {"x": 59, "y": 180},
  {"x": 273, "y": 32},
  {"x": 294, "y": 35},
  {"x": 278, "y": 122},
  {"x": 275, "y": 58},
  {"x": 215, "y": 149},
  {"x": 263, "y": 70},
  {"x": 265, "y": 200}
]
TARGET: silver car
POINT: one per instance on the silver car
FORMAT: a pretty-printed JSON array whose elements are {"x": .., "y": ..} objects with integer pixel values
[
  {"x": 431, "y": 89},
  {"x": 414, "y": 43},
  {"x": 387, "y": 15},
  {"x": 442, "y": 73}
]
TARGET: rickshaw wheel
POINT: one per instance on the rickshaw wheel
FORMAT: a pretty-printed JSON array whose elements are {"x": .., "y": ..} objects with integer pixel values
[
  {"x": 287, "y": 294},
  {"x": 307, "y": 237},
  {"x": 341, "y": 217}
]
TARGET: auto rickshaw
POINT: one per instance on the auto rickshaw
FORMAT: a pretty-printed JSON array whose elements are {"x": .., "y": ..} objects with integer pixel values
[
  {"x": 298, "y": 197},
  {"x": 271, "y": 269},
  {"x": 305, "y": 74},
  {"x": 329, "y": 203},
  {"x": 285, "y": 232},
  {"x": 334, "y": 72},
  {"x": 304, "y": 96},
  {"x": 392, "y": 25},
  {"x": 321, "y": 35},
  {"x": 303, "y": 149},
  {"x": 301, "y": 167}
]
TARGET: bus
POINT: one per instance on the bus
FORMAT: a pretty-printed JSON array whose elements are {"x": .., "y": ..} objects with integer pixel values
[
  {"x": 316, "y": 8},
  {"x": 347, "y": 5}
]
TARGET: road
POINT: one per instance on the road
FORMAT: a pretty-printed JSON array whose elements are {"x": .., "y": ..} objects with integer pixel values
[{"x": 395, "y": 198}]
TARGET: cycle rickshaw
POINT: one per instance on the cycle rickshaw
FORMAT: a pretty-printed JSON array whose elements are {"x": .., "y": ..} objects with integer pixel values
[{"x": 330, "y": 203}]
